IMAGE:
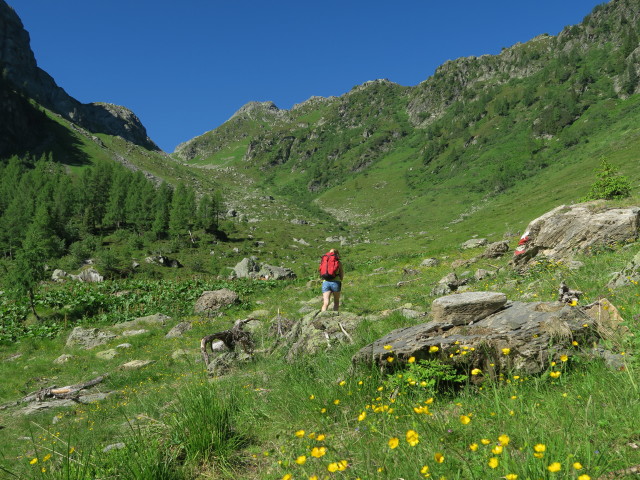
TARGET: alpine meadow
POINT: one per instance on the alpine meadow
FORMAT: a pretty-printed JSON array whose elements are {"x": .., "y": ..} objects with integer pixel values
[{"x": 160, "y": 313}]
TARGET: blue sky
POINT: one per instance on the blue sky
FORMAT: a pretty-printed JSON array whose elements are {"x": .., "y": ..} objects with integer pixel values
[{"x": 185, "y": 67}]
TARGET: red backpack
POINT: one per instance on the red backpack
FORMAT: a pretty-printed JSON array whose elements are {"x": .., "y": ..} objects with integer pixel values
[{"x": 329, "y": 266}]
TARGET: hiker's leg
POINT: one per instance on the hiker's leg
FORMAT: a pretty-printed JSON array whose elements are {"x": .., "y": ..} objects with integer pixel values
[
  {"x": 336, "y": 301},
  {"x": 326, "y": 296}
]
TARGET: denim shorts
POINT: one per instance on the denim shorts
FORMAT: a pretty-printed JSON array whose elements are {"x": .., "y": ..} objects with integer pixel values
[{"x": 332, "y": 286}]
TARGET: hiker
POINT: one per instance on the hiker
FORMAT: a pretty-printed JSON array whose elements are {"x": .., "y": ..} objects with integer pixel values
[{"x": 332, "y": 273}]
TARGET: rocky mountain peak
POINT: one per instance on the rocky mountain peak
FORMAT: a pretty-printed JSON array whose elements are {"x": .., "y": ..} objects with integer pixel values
[
  {"x": 257, "y": 109},
  {"x": 20, "y": 69}
]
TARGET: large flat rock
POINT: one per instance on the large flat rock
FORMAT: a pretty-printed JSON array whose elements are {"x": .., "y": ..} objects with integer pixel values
[{"x": 463, "y": 308}]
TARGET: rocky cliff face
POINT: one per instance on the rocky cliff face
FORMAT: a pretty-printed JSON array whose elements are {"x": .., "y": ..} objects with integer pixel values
[{"x": 19, "y": 68}]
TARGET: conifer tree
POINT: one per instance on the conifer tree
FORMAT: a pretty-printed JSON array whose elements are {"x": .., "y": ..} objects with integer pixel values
[
  {"x": 40, "y": 245},
  {"x": 161, "y": 208},
  {"x": 182, "y": 210}
]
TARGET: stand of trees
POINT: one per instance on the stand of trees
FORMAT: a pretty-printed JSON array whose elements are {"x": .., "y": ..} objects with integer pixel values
[{"x": 47, "y": 209}]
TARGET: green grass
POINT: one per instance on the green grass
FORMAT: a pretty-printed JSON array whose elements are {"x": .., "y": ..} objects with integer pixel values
[{"x": 177, "y": 423}]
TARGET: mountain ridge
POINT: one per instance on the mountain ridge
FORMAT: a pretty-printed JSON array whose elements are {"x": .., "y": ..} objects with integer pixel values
[{"x": 19, "y": 68}]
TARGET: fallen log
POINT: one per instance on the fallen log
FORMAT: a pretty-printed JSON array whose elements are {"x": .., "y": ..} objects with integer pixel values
[{"x": 69, "y": 392}]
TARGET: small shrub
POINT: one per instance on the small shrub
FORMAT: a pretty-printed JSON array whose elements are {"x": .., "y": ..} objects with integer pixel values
[{"x": 609, "y": 185}]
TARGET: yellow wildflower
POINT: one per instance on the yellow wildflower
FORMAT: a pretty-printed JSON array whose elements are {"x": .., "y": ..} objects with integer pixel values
[
  {"x": 476, "y": 371},
  {"x": 504, "y": 440},
  {"x": 493, "y": 462},
  {"x": 433, "y": 349},
  {"x": 497, "y": 450},
  {"x": 387, "y": 347},
  {"x": 485, "y": 441},
  {"x": 539, "y": 448},
  {"x": 288, "y": 476},
  {"x": 318, "y": 451},
  {"x": 33, "y": 461},
  {"x": 411, "y": 359},
  {"x": 300, "y": 433},
  {"x": 342, "y": 465},
  {"x": 321, "y": 437},
  {"x": 333, "y": 467},
  {"x": 301, "y": 460},
  {"x": 555, "y": 374},
  {"x": 393, "y": 442},
  {"x": 412, "y": 437},
  {"x": 511, "y": 476},
  {"x": 584, "y": 477},
  {"x": 506, "y": 351},
  {"x": 563, "y": 358},
  {"x": 554, "y": 467},
  {"x": 342, "y": 383},
  {"x": 577, "y": 466},
  {"x": 389, "y": 359},
  {"x": 438, "y": 457},
  {"x": 336, "y": 402},
  {"x": 362, "y": 416},
  {"x": 424, "y": 469},
  {"x": 473, "y": 447},
  {"x": 464, "y": 419}
]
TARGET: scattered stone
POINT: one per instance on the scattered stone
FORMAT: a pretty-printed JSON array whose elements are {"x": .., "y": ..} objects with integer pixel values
[
  {"x": 411, "y": 314},
  {"x": 114, "y": 446},
  {"x": 223, "y": 363},
  {"x": 179, "y": 329},
  {"x": 136, "y": 364},
  {"x": 64, "y": 358},
  {"x": 566, "y": 295},
  {"x": 474, "y": 243},
  {"x": 180, "y": 354},
  {"x": 89, "y": 275},
  {"x": 59, "y": 275},
  {"x": 496, "y": 249},
  {"x": 296, "y": 221},
  {"x": 459, "y": 263},
  {"x": 301, "y": 242},
  {"x": 430, "y": 262},
  {"x": 133, "y": 333},
  {"x": 158, "y": 319},
  {"x": 461, "y": 309},
  {"x": 481, "y": 274},
  {"x": 246, "y": 267},
  {"x": 124, "y": 346},
  {"x": 88, "y": 338},
  {"x": 629, "y": 275},
  {"x": 214, "y": 300},
  {"x": 12, "y": 358},
  {"x": 107, "y": 354},
  {"x": 164, "y": 261}
]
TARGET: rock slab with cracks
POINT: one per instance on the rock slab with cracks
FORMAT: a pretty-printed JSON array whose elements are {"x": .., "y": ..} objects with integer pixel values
[{"x": 533, "y": 334}]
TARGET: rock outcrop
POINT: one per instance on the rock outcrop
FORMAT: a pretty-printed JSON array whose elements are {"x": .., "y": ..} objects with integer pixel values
[
  {"x": 520, "y": 336},
  {"x": 320, "y": 331},
  {"x": 251, "y": 268},
  {"x": 567, "y": 230},
  {"x": 213, "y": 300},
  {"x": 88, "y": 337}
]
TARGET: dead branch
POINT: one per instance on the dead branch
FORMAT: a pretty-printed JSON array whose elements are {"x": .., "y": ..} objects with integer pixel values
[
  {"x": 68, "y": 392},
  {"x": 345, "y": 333},
  {"x": 235, "y": 335}
]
